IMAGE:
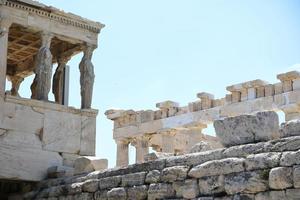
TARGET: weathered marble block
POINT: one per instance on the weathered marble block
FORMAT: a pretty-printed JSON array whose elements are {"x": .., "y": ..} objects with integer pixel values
[{"x": 244, "y": 129}]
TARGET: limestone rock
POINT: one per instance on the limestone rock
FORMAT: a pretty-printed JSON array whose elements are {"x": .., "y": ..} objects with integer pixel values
[
  {"x": 117, "y": 194},
  {"x": 156, "y": 155},
  {"x": 247, "y": 128},
  {"x": 218, "y": 167},
  {"x": 88, "y": 164},
  {"x": 211, "y": 185},
  {"x": 262, "y": 161},
  {"x": 160, "y": 191},
  {"x": 101, "y": 195},
  {"x": 171, "y": 174},
  {"x": 60, "y": 171},
  {"x": 74, "y": 188},
  {"x": 290, "y": 158},
  {"x": 178, "y": 186},
  {"x": 110, "y": 182},
  {"x": 281, "y": 178},
  {"x": 296, "y": 176},
  {"x": 271, "y": 195},
  {"x": 134, "y": 179},
  {"x": 290, "y": 128},
  {"x": 153, "y": 176},
  {"x": 246, "y": 182},
  {"x": 293, "y": 194},
  {"x": 137, "y": 192},
  {"x": 201, "y": 146},
  {"x": 90, "y": 185},
  {"x": 190, "y": 189}
]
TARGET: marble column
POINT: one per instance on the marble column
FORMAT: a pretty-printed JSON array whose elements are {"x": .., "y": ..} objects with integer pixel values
[
  {"x": 87, "y": 77},
  {"x": 16, "y": 82},
  {"x": 41, "y": 85},
  {"x": 58, "y": 80},
  {"x": 168, "y": 141},
  {"x": 122, "y": 153},
  {"x": 142, "y": 148},
  {"x": 4, "y": 29}
]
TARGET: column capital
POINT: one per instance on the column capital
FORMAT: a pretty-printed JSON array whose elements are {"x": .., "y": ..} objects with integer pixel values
[
  {"x": 123, "y": 141},
  {"x": 5, "y": 23},
  {"x": 46, "y": 38},
  {"x": 63, "y": 60}
]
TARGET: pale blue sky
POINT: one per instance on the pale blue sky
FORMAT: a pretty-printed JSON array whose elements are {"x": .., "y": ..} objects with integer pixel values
[{"x": 151, "y": 51}]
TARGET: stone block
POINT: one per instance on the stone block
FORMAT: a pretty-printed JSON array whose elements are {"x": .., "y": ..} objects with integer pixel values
[
  {"x": 290, "y": 158},
  {"x": 201, "y": 146},
  {"x": 171, "y": 174},
  {"x": 211, "y": 185},
  {"x": 134, "y": 179},
  {"x": 228, "y": 98},
  {"x": 269, "y": 90},
  {"x": 262, "y": 161},
  {"x": 91, "y": 185},
  {"x": 290, "y": 128},
  {"x": 271, "y": 195},
  {"x": 137, "y": 193},
  {"x": 296, "y": 176},
  {"x": 236, "y": 97},
  {"x": 88, "y": 136},
  {"x": 62, "y": 132},
  {"x": 69, "y": 159},
  {"x": 284, "y": 144},
  {"x": 74, "y": 188},
  {"x": 160, "y": 191},
  {"x": 101, "y": 195},
  {"x": 167, "y": 104},
  {"x": 117, "y": 194},
  {"x": 296, "y": 84},
  {"x": 110, "y": 182},
  {"x": 190, "y": 189},
  {"x": 281, "y": 178},
  {"x": 89, "y": 164},
  {"x": 278, "y": 89},
  {"x": 287, "y": 86},
  {"x": 244, "y": 129},
  {"x": 246, "y": 182},
  {"x": 153, "y": 176},
  {"x": 260, "y": 92},
  {"x": 146, "y": 116},
  {"x": 293, "y": 194},
  {"x": 178, "y": 187},
  {"x": 60, "y": 171},
  {"x": 243, "y": 150},
  {"x": 217, "y": 167}
]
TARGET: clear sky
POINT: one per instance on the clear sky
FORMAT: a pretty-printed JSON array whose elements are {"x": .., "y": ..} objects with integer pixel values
[{"x": 155, "y": 50}]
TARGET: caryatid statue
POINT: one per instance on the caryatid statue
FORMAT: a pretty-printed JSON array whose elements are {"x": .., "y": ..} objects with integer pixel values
[
  {"x": 87, "y": 77},
  {"x": 41, "y": 85},
  {"x": 58, "y": 80}
]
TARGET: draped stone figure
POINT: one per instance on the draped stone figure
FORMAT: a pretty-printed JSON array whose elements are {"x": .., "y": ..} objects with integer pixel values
[
  {"x": 41, "y": 85},
  {"x": 16, "y": 82},
  {"x": 58, "y": 80},
  {"x": 87, "y": 77}
]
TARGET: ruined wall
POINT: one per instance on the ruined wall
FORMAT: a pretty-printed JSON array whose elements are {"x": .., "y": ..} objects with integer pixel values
[
  {"x": 36, "y": 135},
  {"x": 256, "y": 170}
]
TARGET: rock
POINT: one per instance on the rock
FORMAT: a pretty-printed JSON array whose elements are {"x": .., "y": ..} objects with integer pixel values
[
  {"x": 201, "y": 146},
  {"x": 244, "y": 150},
  {"x": 171, "y": 174},
  {"x": 74, "y": 188},
  {"x": 271, "y": 195},
  {"x": 293, "y": 194},
  {"x": 290, "y": 158},
  {"x": 243, "y": 197},
  {"x": 134, "y": 179},
  {"x": 60, "y": 171},
  {"x": 89, "y": 164},
  {"x": 296, "y": 176},
  {"x": 190, "y": 189},
  {"x": 117, "y": 194},
  {"x": 245, "y": 129},
  {"x": 246, "y": 182},
  {"x": 153, "y": 176},
  {"x": 284, "y": 144},
  {"x": 211, "y": 185},
  {"x": 160, "y": 191},
  {"x": 90, "y": 185},
  {"x": 109, "y": 182},
  {"x": 137, "y": 192},
  {"x": 262, "y": 161},
  {"x": 290, "y": 128},
  {"x": 178, "y": 187},
  {"x": 281, "y": 178},
  {"x": 218, "y": 167},
  {"x": 101, "y": 195},
  {"x": 156, "y": 155}
]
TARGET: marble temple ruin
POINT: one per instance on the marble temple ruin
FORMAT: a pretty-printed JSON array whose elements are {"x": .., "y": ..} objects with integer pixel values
[{"x": 47, "y": 148}]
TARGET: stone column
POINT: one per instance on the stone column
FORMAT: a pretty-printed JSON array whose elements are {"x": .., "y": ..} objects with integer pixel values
[
  {"x": 16, "y": 82},
  {"x": 87, "y": 77},
  {"x": 122, "y": 153},
  {"x": 142, "y": 148},
  {"x": 58, "y": 80},
  {"x": 4, "y": 29},
  {"x": 41, "y": 85}
]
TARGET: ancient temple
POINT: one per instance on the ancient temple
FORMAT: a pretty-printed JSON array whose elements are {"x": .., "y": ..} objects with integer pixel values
[{"x": 35, "y": 133}]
